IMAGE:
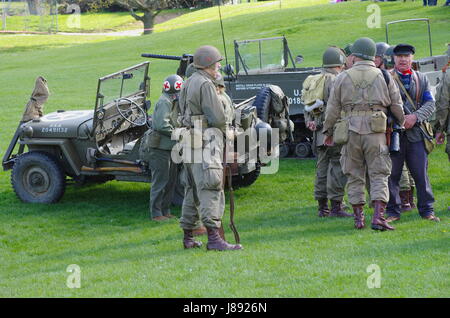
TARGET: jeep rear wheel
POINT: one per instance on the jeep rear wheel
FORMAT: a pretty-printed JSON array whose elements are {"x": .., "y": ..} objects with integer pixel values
[{"x": 37, "y": 177}]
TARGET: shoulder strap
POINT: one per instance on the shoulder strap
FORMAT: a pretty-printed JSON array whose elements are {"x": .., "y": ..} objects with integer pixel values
[
  {"x": 386, "y": 76},
  {"x": 399, "y": 82},
  {"x": 416, "y": 79}
]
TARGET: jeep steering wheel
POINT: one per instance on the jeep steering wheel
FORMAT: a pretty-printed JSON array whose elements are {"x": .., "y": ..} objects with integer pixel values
[{"x": 140, "y": 120}]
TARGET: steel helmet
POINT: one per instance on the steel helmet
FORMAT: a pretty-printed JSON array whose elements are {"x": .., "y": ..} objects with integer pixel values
[
  {"x": 364, "y": 48},
  {"x": 381, "y": 48},
  {"x": 388, "y": 57},
  {"x": 172, "y": 84},
  {"x": 333, "y": 57},
  {"x": 206, "y": 56}
]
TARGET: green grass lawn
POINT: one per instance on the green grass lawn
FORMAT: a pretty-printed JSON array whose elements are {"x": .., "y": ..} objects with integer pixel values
[{"x": 289, "y": 251}]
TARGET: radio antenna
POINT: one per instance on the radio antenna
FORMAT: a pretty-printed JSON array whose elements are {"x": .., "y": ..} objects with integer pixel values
[{"x": 223, "y": 35}]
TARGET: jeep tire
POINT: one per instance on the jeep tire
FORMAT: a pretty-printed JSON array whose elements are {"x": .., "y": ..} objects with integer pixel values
[{"x": 37, "y": 177}]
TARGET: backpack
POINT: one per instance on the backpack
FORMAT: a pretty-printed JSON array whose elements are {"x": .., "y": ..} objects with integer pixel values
[{"x": 313, "y": 87}]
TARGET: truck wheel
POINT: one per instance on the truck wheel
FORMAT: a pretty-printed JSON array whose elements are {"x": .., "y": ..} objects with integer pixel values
[
  {"x": 246, "y": 180},
  {"x": 284, "y": 150},
  {"x": 37, "y": 177},
  {"x": 262, "y": 103},
  {"x": 303, "y": 149}
]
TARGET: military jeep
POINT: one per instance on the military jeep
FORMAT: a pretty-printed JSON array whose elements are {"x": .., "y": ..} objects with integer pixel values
[{"x": 95, "y": 146}]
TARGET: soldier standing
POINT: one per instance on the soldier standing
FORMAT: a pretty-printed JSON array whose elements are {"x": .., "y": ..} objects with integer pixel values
[
  {"x": 364, "y": 96},
  {"x": 330, "y": 181},
  {"x": 158, "y": 145},
  {"x": 419, "y": 105},
  {"x": 204, "y": 191},
  {"x": 382, "y": 47}
]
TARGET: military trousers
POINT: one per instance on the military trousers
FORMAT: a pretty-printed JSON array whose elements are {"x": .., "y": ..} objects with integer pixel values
[
  {"x": 330, "y": 180},
  {"x": 204, "y": 196},
  {"x": 415, "y": 156},
  {"x": 163, "y": 178},
  {"x": 369, "y": 152},
  {"x": 406, "y": 180}
]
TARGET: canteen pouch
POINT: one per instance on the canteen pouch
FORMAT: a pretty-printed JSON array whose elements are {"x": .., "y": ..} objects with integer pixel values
[
  {"x": 378, "y": 122},
  {"x": 340, "y": 133}
]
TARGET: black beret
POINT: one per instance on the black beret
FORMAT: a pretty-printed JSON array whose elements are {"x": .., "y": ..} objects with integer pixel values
[{"x": 405, "y": 49}]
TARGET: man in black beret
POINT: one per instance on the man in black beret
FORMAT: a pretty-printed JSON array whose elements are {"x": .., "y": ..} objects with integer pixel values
[{"x": 419, "y": 106}]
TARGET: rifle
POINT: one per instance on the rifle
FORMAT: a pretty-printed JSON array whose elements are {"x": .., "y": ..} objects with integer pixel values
[
  {"x": 185, "y": 60},
  {"x": 393, "y": 134}
]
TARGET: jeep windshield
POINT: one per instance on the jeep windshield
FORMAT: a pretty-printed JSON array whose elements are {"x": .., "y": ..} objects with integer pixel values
[
  {"x": 120, "y": 106},
  {"x": 261, "y": 55}
]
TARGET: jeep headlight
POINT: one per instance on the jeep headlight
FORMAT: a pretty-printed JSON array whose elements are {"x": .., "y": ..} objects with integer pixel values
[{"x": 27, "y": 131}]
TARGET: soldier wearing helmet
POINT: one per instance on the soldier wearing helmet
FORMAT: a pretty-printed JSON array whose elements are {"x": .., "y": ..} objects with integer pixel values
[
  {"x": 360, "y": 97},
  {"x": 330, "y": 181},
  {"x": 381, "y": 47},
  {"x": 204, "y": 192},
  {"x": 158, "y": 146}
]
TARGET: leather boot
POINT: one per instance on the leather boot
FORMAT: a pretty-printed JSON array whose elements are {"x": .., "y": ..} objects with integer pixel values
[
  {"x": 199, "y": 231},
  {"x": 411, "y": 198},
  {"x": 358, "y": 213},
  {"x": 188, "y": 240},
  {"x": 323, "y": 210},
  {"x": 378, "y": 220},
  {"x": 404, "y": 198},
  {"x": 215, "y": 242},
  {"x": 337, "y": 210}
]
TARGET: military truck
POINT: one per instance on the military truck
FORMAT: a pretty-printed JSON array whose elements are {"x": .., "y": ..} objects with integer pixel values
[{"x": 97, "y": 145}]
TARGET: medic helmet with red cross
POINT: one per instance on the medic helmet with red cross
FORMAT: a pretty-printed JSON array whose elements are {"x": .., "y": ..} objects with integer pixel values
[{"x": 172, "y": 84}]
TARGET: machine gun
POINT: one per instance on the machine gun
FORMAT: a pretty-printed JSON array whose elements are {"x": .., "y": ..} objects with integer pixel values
[{"x": 185, "y": 60}]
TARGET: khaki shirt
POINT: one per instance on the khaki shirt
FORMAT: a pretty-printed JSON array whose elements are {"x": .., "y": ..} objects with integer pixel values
[
  {"x": 163, "y": 122},
  {"x": 443, "y": 105},
  {"x": 346, "y": 97},
  {"x": 199, "y": 97}
]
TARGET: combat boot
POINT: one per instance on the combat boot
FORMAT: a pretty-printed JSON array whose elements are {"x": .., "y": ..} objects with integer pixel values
[
  {"x": 337, "y": 210},
  {"x": 216, "y": 243},
  {"x": 188, "y": 240},
  {"x": 411, "y": 198},
  {"x": 404, "y": 198},
  {"x": 199, "y": 231},
  {"x": 323, "y": 210},
  {"x": 378, "y": 220},
  {"x": 358, "y": 213}
]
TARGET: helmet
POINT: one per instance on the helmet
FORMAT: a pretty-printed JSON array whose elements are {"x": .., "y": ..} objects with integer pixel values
[
  {"x": 347, "y": 49},
  {"x": 190, "y": 69},
  {"x": 364, "y": 48},
  {"x": 172, "y": 84},
  {"x": 381, "y": 48},
  {"x": 332, "y": 57},
  {"x": 206, "y": 56},
  {"x": 388, "y": 57}
]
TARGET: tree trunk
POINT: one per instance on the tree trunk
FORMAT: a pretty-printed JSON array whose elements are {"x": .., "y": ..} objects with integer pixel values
[
  {"x": 148, "y": 20},
  {"x": 33, "y": 6}
]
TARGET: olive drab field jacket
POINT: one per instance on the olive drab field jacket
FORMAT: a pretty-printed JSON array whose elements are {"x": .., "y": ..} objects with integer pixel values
[{"x": 357, "y": 94}]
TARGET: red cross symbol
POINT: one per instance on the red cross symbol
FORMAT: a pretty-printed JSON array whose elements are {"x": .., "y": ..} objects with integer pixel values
[
  {"x": 178, "y": 85},
  {"x": 166, "y": 85}
]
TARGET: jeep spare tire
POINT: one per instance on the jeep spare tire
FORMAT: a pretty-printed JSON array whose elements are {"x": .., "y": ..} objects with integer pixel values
[{"x": 37, "y": 177}]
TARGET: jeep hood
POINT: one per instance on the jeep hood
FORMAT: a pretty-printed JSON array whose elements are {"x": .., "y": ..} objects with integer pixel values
[{"x": 62, "y": 124}]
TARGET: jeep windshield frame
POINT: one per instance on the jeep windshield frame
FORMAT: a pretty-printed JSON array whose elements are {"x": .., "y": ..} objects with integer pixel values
[
  {"x": 115, "y": 86},
  {"x": 257, "y": 55}
]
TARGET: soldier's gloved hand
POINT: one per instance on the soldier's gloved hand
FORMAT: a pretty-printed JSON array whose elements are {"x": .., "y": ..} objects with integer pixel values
[
  {"x": 410, "y": 121},
  {"x": 440, "y": 138},
  {"x": 328, "y": 141},
  {"x": 311, "y": 125}
]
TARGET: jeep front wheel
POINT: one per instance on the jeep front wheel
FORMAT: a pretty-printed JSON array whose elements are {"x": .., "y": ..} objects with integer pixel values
[{"x": 37, "y": 177}]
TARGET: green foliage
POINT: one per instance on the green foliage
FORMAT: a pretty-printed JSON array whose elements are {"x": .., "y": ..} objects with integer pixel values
[{"x": 289, "y": 251}]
